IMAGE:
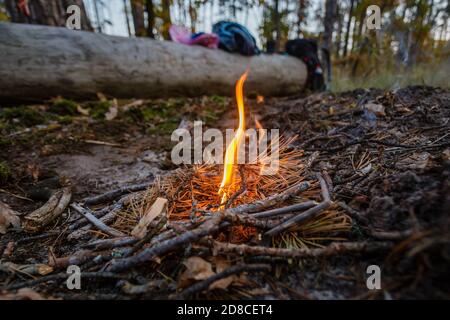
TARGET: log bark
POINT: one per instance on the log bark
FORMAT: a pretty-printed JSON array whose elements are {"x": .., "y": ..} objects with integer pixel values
[{"x": 39, "y": 62}]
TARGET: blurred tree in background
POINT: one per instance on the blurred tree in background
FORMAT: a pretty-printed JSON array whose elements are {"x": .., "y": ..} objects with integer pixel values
[{"x": 46, "y": 12}]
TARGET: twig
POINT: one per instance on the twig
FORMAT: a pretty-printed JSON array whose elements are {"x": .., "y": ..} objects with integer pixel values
[
  {"x": 330, "y": 250},
  {"x": 96, "y": 222},
  {"x": 38, "y": 237},
  {"x": 206, "y": 228},
  {"x": 287, "y": 224},
  {"x": 292, "y": 208},
  {"x": 76, "y": 258},
  {"x": 111, "y": 243},
  {"x": 16, "y": 195},
  {"x": 64, "y": 276},
  {"x": 353, "y": 213},
  {"x": 113, "y": 194},
  {"x": 271, "y": 200},
  {"x": 241, "y": 190},
  {"x": 102, "y": 143},
  {"x": 107, "y": 218},
  {"x": 390, "y": 235},
  {"x": 308, "y": 214},
  {"x": 246, "y": 220},
  {"x": 203, "y": 285},
  {"x": 51, "y": 210}
]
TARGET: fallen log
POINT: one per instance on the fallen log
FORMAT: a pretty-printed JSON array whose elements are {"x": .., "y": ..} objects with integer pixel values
[{"x": 40, "y": 62}]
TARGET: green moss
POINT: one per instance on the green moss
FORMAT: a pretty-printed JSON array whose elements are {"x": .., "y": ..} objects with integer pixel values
[
  {"x": 64, "y": 107},
  {"x": 5, "y": 172},
  {"x": 154, "y": 112},
  {"x": 65, "y": 119},
  {"x": 99, "y": 109},
  {"x": 23, "y": 115},
  {"x": 219, "y": 100},
  {"x": 164, "y": 128}
]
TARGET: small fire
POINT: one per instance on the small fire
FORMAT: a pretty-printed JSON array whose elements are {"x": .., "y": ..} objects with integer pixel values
[{"x": 233, "y": 147}]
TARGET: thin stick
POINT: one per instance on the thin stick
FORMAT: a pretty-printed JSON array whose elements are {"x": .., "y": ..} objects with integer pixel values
[
  {"x": 103, "y": 244},
  {"x": 203, "y": 285},
  {"x": 107, "y": 218},
  {"x": 290, "y": 222},
  {"x": 206, "y": 228},
  {"x": 331, "y": 250},
  {"x": 113, "y": 194},
  {"x": 64, "y": 276},
  {"x": 288, "y": 209},
  {"x": 353, "y": 213},
  {"x": 308, "y": 214},
  {"x": 246, "y": 220},
  {"x": 96, "y": 222},
  {"x": 271, "y": 200}
]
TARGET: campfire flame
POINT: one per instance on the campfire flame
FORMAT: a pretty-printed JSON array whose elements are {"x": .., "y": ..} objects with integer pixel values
[{"x": 233, "y": 147}]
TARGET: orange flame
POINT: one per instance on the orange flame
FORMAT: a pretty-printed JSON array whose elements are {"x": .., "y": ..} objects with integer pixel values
[{"x": 233, "y": 147}]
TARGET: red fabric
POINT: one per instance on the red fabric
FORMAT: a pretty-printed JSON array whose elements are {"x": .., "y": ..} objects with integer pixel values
[{"x": 22, "y": 5}]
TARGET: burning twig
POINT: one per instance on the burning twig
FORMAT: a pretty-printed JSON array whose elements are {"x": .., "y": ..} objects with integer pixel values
[{"x": 241, "y": 190}]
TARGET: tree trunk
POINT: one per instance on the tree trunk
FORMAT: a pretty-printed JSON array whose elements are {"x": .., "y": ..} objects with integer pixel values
[
  {"x": 339, "y": 17},
  {"x": 330, "y": 16},
  {"x": 277, "y": 23},
  {"x": 167, "y": 21},
  {"x": 98, "y": 19},
  {"x": 46, "y": 12},
  {"x": 41, "y": 62},
  {"x": 127, "y": 17},
  {"x": 347, "y": 29},
  {"x": 150, "y": 18},
  {"x": 137, "y": 10}
]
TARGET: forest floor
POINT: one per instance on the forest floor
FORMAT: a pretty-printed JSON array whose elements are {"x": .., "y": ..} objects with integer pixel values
[{"x": 383, "y": 157}]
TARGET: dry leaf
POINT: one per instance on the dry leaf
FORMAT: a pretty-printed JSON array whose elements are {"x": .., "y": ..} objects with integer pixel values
[
  {"x": 446, "y": 154},
  {"x": 9, "y": 249},
  {"x": 33, "y": 171},
  {"x": 101, "y": 96},
  {"x": 221, "y": 265},
  {"x": 414, "y": 161},
  {"x": 22, "y": 294},
  {"x": 196, "y": 269},
  {"x": 377, "y": 109},
  {"x": 8, "y": 217},
  {"x": 83, "y": 111}
]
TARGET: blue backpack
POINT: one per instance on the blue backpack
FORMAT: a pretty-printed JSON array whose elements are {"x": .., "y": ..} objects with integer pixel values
[{"x": 234, "y": 37}]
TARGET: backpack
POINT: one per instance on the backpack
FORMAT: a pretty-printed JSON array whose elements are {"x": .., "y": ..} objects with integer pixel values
[
  {"x": 234, "y": 37},
  {"x": 307, "y": 51}
]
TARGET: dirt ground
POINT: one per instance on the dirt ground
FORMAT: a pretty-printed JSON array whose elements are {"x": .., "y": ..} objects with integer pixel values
[{"x": 385, "y": 156}]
